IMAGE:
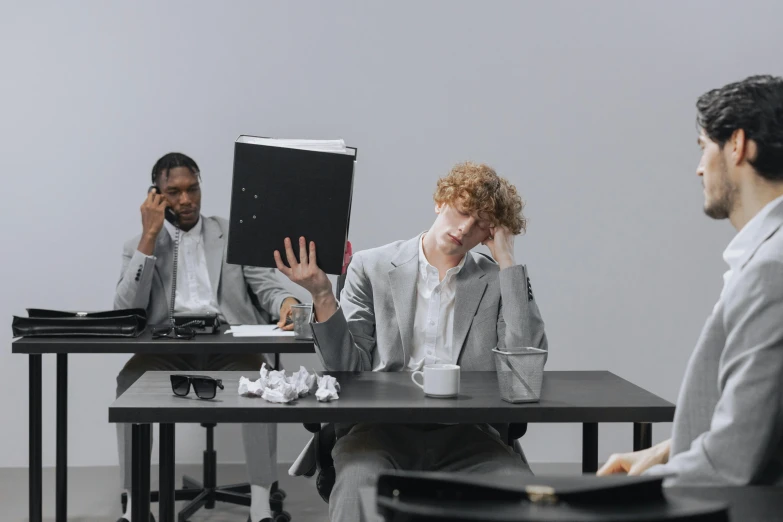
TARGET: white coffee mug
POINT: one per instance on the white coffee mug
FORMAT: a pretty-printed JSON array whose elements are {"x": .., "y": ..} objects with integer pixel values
[{"x": 438, "y": 380}]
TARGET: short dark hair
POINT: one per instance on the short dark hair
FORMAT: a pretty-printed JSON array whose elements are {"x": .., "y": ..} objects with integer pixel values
[
  {"x": 170, "y": 161},
  {"x": 754, "y": 105}
]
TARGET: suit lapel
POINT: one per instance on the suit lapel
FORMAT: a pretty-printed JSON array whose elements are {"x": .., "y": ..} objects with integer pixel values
[
  {"x": 213, "y": 251},
  {"x": 470, "y": 289},
  {"x": 402, "y": 279}
]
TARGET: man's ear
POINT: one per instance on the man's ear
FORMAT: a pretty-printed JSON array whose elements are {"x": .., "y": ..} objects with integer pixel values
[
  {"x": 740, "y": 147},
  {"x": 438, "y": 207}
]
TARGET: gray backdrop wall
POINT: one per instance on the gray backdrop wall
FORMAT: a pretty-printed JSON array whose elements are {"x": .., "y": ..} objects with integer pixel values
[{"x": 588, "y": 107}]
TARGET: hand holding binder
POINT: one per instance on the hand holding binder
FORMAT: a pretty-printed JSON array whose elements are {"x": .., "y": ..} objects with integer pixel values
[{"x": 306, "y": 273}]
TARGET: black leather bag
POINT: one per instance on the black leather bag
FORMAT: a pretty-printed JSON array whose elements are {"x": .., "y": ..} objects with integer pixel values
[
  {"x": 55, "y": 323},
  {"x": 420, "y": 496}
]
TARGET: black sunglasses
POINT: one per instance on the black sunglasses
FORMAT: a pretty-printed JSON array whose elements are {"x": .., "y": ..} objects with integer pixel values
[{"x": 205, "y": 387}]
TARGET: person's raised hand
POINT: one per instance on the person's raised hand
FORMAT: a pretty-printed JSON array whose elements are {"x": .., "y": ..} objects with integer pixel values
[{"x": 304, "y": 272}]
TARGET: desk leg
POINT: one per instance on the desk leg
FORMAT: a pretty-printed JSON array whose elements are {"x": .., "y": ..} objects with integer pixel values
[
  {"x": 35, "y": 445},
  {"x": 642, "y": 435},
  {"x": 140, "y": 476},
  {"x": 589, "y": 447},
  {"x": 166, "y": 495},
  {"x": 61, "y": 503}
]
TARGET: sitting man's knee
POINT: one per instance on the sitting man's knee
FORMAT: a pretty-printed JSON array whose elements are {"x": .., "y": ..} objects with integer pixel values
[
  {"x": 358, "y": 466},
  {"x": 360, "y": 463},
  {"x": 126, "y": 378}
]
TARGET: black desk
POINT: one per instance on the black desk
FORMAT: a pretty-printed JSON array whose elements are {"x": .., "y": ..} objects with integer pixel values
[
  {"x": 574, "y": 397},
  {"x": 746, "y": 504},
  {"x": 35, "y": 347}
]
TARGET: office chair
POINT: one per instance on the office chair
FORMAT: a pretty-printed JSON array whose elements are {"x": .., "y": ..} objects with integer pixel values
[{"x": 206, "y": 493}]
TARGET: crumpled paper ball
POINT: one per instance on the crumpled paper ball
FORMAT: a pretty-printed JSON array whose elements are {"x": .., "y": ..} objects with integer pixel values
[
  {"x": 276, "y": 386},
  {"x": 327, "y": 389},
  {"x": 303, "y": 382}
]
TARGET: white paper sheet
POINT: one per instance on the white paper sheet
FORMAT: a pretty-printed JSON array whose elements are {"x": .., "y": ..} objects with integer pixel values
[
  {"x": 335, "y": 146},
  {"x": 258, "y": 330}
]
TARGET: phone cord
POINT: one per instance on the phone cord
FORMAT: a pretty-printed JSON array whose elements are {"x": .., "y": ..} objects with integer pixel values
[{"x": 174, "y": 277}]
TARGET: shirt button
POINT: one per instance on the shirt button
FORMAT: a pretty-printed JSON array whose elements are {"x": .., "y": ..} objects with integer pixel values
[{"x": 432, "y": 322}]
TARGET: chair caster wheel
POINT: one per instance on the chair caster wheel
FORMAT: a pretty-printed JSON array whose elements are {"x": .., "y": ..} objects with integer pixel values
[
  {"x": 276, "y": 491},
  {"x": 282, "y": 517}
]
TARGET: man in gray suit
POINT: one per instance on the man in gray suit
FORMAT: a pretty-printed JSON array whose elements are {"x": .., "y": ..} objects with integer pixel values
[
  {"x": 426, "y": 300},
  {"x": 205, "y": 283},
  {"x": 728, "y": 426}
]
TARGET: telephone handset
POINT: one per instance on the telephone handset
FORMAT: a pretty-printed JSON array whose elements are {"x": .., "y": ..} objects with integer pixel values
[{"x": 170, "y": 215}]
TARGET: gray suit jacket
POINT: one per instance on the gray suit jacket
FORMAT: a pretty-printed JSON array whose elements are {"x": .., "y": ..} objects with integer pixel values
[
  {"x": 373, "y": 328},
  {"x": 728, "y": 426},
  {"x": 145, "y": 282}
]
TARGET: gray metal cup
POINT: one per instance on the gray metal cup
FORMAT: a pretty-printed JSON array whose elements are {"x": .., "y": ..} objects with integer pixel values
[
  {"x": 520, "y": 373},
  {"x": 301, "y": 315}
]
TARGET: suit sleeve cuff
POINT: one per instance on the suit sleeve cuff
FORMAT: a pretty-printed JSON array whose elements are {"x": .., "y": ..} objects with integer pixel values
[
  {"x": 277, "y": 303},
  {"x": 515, "y": 275},
  {"x": 329, "y": 321},
  {"x": 140, "y": 266},
  {"x": 137, "y": 255}
]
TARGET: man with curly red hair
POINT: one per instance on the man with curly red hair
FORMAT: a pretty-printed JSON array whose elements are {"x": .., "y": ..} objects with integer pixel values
[{"x": 421, "y": 301}]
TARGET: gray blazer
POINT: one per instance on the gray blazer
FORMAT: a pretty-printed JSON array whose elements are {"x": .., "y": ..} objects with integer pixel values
[
  {"x": 373, "y": 328},
  {"x": 145, "y": 282},
  {"x": 728, "y": 426}
]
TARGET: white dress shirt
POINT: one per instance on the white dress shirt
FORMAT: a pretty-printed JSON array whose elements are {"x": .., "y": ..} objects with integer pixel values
[
  {"x": 745, "y": 239},
  {"x": 433, "y": 327},
  {"x": 194, "y": 291}
]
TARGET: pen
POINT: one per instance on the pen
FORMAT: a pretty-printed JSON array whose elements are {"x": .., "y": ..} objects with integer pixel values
[{"x": 287, "y": 322}]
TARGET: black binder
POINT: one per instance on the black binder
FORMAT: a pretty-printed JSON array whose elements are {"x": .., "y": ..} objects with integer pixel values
[{"x": 280, "y": 192}]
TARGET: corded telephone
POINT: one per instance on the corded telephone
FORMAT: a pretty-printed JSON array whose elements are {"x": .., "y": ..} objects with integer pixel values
[
  {"x": 182, "y": 325},
  {"x": 170, "y": 215}
]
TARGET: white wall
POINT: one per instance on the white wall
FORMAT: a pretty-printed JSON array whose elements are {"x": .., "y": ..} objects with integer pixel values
[{"x": 588, "y": 107}]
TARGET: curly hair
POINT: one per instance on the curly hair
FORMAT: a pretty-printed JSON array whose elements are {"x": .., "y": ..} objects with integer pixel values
[
  {"x": 479, "y": 189},
  {"x": 754, "y": 105}
]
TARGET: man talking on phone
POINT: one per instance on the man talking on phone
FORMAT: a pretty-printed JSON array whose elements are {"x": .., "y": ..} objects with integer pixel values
[{"x": 205, "y": 283}]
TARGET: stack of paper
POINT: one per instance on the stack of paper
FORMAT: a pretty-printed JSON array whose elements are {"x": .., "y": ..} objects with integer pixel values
[
  {"x": 258, "y": 330},
  {"x": 317, "y": 145}
]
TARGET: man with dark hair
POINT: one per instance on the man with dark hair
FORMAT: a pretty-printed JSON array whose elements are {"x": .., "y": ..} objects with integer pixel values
[
  {"x": 205, "y": 283},
  {"x": 728, "y": 426},
  {"x": 420, "y": 301}
]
